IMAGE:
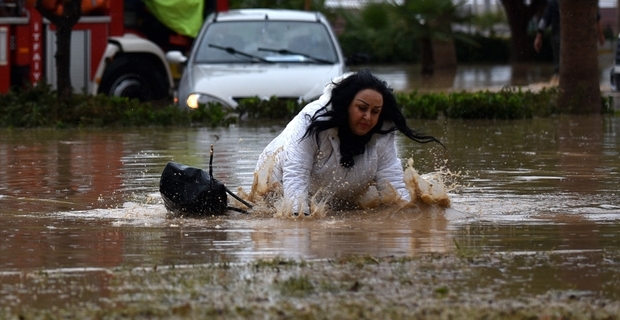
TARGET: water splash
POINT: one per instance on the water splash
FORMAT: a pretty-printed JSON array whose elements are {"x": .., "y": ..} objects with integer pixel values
[{"x": 428, "y": 189}]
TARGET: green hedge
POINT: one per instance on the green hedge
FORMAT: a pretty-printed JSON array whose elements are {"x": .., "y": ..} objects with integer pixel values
[
  {"x": 505, "y": 104},
  {"x": 38, "y": 107}
]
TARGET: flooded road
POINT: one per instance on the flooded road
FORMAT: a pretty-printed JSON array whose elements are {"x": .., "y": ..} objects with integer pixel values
[
  {"x": 535, "y": 212},
  {"x": 469, "y": 77},
  {"x": 89, "y": 198}
]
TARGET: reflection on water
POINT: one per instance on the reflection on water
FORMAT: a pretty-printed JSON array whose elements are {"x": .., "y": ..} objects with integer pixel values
[
  {"x": 408, "y": 78},
  {"x": 79, "y": 202},
  {"x": 89, "y": 198},
  {"x": 467, "y": 77}
]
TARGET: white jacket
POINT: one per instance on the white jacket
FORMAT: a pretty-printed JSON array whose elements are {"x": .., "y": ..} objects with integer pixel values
[{"x": 303, "y": 168}]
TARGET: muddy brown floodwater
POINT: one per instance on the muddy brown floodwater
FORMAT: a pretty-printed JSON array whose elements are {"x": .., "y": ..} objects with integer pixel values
[
  {"x": 88, "y": 199},
  {"x": 83, "y": 203}
]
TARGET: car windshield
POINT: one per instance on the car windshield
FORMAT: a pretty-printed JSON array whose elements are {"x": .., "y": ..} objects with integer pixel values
[{"x": 266, "y": 41}]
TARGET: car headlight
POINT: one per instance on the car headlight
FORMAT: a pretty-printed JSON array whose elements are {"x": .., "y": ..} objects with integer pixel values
[{"x": 196, "y": 99}]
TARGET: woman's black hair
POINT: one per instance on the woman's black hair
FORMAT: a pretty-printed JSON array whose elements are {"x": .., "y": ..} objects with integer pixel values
[{"x": 343, "y": 94}]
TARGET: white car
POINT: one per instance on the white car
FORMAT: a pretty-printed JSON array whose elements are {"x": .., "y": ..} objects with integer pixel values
[{"x": 259, "y": 53}]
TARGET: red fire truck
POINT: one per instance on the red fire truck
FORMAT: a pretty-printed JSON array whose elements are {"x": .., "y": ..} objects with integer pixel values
[{"x": 117, "y": 48}]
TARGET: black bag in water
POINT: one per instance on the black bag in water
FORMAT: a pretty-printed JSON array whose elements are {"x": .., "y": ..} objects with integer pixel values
[{"x": 191, "y": 191}]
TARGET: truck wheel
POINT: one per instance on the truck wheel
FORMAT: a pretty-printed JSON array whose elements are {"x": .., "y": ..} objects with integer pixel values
[{"x": 133, "y": 78}]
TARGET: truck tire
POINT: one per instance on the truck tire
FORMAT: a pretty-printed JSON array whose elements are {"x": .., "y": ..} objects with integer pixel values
[{"x": 133, "y": 77}]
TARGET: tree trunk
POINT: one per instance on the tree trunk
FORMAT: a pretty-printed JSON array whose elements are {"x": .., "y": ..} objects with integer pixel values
[
  {"x": 579, "y": 90},
  {"x": 426, "y": 56},
  {"x": 63, "y": 62},
  {"x": 444, "y": 54},
  {"x": 71, "y": 14},
  {"x": 521, "y": 43},
  {"x": 519, "y": 15}
]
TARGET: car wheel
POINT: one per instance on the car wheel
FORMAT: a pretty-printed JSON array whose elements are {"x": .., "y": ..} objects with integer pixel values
[{"x": 128, "y": 77}]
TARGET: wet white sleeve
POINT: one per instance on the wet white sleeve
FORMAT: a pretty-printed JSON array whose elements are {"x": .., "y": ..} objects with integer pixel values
[
  {"x": 297, "y": 164},
  {"x": 389, "y": 168}
]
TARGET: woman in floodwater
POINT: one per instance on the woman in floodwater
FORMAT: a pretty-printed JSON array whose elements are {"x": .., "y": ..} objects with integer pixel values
[{"x": 337, "y": 147}]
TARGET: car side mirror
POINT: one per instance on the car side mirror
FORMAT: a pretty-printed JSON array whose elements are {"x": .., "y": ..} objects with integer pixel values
[{"x": 176, "y": 57}]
